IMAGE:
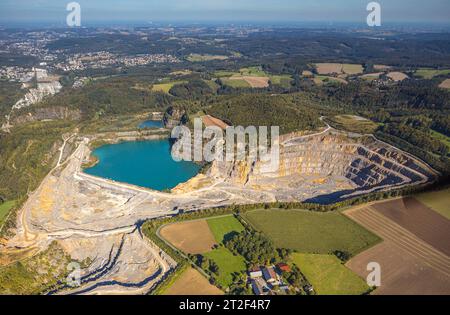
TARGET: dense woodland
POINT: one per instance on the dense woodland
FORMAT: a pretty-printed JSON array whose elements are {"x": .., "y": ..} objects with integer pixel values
[
  {"x": 309, "y": 45},
  {"x": 108, "y": 97},
  {"x": 10, "y": 93},
  {"x": 407, "y": 114},
  {"x": 290, "y": 112},
  {"x": 27, "y": 155}
]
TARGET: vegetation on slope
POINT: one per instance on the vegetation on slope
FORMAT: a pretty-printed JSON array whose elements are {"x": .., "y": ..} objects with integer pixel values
[
  {"x": 5, "y": 207},
  {"x": 289, "y": 112},
  {"x": 111, "y": 96},
  {"x": 37, "y": 274},
  {"x": 10, "y": 93},
  {"x": 27, "y": 155},
  {"x": 353, "y": 124}
]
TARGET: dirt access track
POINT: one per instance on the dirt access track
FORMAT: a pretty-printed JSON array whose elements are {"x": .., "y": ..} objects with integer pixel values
[
  {"x": 409, "y": 263},
  {"x": 99, "y": 220}
]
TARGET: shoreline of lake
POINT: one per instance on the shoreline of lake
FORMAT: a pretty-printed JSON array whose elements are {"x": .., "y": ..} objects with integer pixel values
[{"x": 145, "y": 163}]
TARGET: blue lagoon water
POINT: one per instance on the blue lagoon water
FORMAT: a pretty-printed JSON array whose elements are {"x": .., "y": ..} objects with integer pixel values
[
  {"x": 142, "y": 163},
  {"x": 151, "y": 124}
]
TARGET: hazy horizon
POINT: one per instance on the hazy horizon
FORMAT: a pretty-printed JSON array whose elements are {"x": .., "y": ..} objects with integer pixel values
[{"x": 326, "y": 12}]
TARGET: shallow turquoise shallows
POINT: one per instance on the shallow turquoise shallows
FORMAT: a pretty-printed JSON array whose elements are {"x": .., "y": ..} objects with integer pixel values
[{"x": 143, "y": 163}]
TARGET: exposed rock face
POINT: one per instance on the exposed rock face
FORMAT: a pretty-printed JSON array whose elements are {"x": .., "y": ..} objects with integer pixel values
[
  {"x": 174, "y": 117},
  {"x": 156, "y": 116},
  {"x": 198, "y": 182},
  {"x": 116, "y": 137},
  {"x": 36, "y": 95},
  {"x": 368, "y": 164},
  {"x": 48, "y": 113}
]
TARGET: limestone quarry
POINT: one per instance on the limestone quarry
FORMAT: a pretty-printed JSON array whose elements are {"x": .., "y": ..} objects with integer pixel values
[
  {"x": 331, "y": 165},
  {"x": 99, "y": 220}
]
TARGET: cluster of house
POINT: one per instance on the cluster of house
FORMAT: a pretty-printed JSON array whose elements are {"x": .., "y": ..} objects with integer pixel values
[
  {"x": 267, "y": 280},
  {"x": 35, "y": 47},
  {"x": 104, "y": 59},
  {"x": 18, "y": 74}
]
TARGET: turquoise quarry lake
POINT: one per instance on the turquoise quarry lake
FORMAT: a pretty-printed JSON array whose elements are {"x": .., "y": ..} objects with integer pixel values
[{"x": 144, "y": 163}]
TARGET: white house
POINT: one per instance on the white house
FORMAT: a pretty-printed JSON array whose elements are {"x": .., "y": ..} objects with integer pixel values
[{"x": 255, "y": 273}]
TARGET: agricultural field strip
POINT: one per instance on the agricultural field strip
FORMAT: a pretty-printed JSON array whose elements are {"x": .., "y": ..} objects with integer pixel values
[
  {"x": 428, "y": 74},
  {"x": 191, "y": 282},
  {"x": 329, "y": 276},
  {"x": 419, "y": 246},
  {"x": 419, "y": 220},
  {"x": 195, "y": 236},
  {"x": 287, "y": 229},
  {"x": 158, "y": 234},
  {"x": 406, "y": 235},
  {"x": 437, "y": 201},
  {"x": 402, "y": 239},
  {"x": 213, "y": 254},
  {"x": 408, "y": 248}
]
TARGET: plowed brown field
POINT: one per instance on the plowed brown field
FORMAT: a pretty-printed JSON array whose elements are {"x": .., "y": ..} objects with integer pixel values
[
  {"x": 193, "y": 237},
  {"x": 445, "y": 84},
  {"x": 421, "y": 221},
  {"x": 409, "y": 264},
  {"x": 191, "y": 282},
  {"x": 209, "y": 121},
  {"x": 257, "y": 82}
]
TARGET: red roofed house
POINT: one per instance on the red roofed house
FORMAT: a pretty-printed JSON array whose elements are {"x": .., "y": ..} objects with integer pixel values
[{"x": 282, "y": 267}]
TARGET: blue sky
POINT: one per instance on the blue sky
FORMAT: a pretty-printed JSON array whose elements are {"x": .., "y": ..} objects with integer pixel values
[{"x": 37, "y": 11}]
